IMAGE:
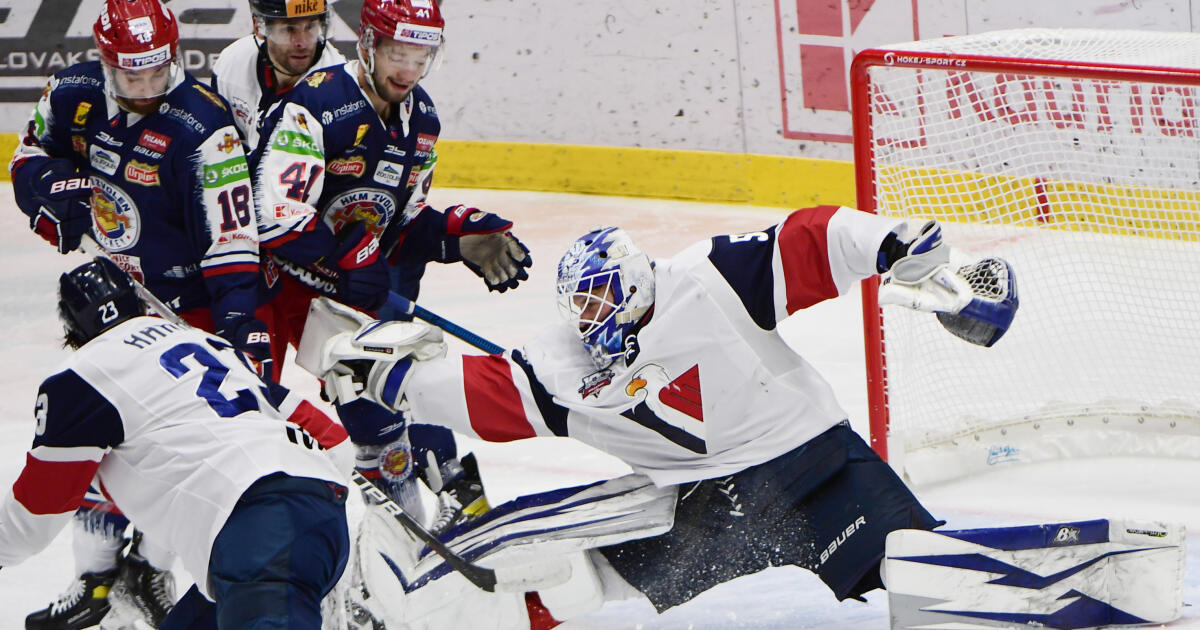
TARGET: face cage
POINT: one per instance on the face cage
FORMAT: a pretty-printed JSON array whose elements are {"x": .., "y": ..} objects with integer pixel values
[
  {"x": 275, "y": 31},
  {"x": 603, "y": 336},
  {"x": 114, "y": 89}
]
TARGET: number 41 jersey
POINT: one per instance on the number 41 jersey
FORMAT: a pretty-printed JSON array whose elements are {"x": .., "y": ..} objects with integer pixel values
[{"x": 177, "y": 428}]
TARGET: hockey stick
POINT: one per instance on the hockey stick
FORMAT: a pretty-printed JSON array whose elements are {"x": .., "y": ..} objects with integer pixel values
[
  {"x": 91, "y": 247},
  {"x": 518, "y": 579},
  {"x": 409, "y": 307}
]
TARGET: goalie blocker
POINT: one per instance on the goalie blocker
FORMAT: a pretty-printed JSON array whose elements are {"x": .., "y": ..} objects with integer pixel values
[{"x": 1066, "y": 575}]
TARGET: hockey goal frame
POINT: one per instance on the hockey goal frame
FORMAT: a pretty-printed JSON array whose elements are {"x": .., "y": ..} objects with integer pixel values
[{"x": 903, "y": 56}]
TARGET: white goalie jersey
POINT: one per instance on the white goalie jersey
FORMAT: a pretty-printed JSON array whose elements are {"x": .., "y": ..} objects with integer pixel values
[{"x": 708, "y": 389}]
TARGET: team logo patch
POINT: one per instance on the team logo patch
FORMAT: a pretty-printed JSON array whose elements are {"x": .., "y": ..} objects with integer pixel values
[
  {"x": 596, "y": 381},
  {"x": 154, "y": 141},
  {"x": 104, "y": 161},
  {"x": 396, "y": 462},
  {"x": 375, "y": 208},
  {"x": 141, "y": 173},
  {"x": 316, "y": 78},
  {"x": 80, "y": 145},
  {"x": 229, "y": 143},
  {"x": 353, "y": 167},
  {"x": 389, "y": 174},
  {"x": 114, "y": 216},
  {"x": 81, "y": 113}
]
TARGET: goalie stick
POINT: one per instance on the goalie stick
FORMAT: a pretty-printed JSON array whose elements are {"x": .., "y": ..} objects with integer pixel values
[{"x": 407, "y": 306}]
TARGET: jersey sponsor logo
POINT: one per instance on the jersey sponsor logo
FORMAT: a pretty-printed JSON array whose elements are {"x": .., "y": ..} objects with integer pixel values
[
  {"x": 115, "y": 216},
  {"x": 288, "y": 210},
  {"x": 301, "y": 8},
  {"x": 227, "y": 172},
  {"x": 81, "y": 113},
  {"x": 208, "y": 95},
  {"x": 683, "y": 394},
  {"x": 375, "y": 208},
  {"x": 109, "y": 140},
  {"x": 154, "y": 141},
  {"x": 389, "y": 174},
  {"x": 392, "y": 149},
  {"x": 413, "y": 175},
  {"x": 141, "y": 150},
  {"x": 80, "y": 145},
  {"x": 840, "y": 540},
  {"x": 296, "y": 143},
  {"x": 361, "y": 133},
  {"x": 301, "y": 120},
  {"x": 353, "y": 167},
  {"x": 142, "y": 173},
  {"x": 425, "y": 143},
  {"x": 343, "y": 112},
  {"x": 104, "y": 161},
  {"x": 229, "y": 143},
  {"x": 183, "y": 116}
]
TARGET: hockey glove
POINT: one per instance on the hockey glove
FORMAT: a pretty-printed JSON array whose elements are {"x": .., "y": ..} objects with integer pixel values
[
  {"x": 362, "y": 273},
  {"x": 373, "y": 362},
  {"x": 65, "y": 205},
  {"x": 250, "y": 336},
  {"x": 488, "y": 248}
]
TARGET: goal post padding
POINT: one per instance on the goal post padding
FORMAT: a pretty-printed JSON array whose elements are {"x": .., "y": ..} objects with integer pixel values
[{"x": 1075, "y": 155}]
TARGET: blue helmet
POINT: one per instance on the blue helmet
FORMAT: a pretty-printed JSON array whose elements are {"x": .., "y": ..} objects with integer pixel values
[
  {"x": 93, "y": 298},
  {"x": 605, "y": 287}
]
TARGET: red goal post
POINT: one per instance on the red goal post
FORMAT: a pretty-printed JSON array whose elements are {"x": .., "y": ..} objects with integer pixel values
[{"x": 1074, "y": 154}]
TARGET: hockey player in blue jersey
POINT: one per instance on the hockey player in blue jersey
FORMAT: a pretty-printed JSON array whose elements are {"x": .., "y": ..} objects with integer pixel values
[
  {"x": 343, "y": 168},
  {"x": 256, "y": 71},
  {"x": 135, "y": 153},
  {"x": 144, "y": 405}
]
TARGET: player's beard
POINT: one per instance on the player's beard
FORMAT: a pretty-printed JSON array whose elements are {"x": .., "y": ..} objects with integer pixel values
[
  {"x": 143, "y": 106},
  {"x": 285, "y": 64},
  {"x": 391, "y": 92}
]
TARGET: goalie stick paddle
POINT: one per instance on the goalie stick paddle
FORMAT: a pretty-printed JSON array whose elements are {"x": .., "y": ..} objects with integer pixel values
[{"x": 507, "y": 579}]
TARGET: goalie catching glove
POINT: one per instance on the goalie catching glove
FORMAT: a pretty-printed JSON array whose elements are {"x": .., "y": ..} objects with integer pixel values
[
  {"x": 373, "y": 362},
  {"x": 977, "y": 303},
  {"x": 487, "y": 247}
]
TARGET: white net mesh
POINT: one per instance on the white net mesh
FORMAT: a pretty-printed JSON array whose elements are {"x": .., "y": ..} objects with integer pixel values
[{"x": 1089, "y": 184}]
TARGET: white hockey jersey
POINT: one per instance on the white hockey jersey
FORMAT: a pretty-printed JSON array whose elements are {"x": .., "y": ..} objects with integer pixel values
[
  {"x": 242, "y": 74},
  {"x": 174, "y": 426},
  {"x": 707, "y": 387}
]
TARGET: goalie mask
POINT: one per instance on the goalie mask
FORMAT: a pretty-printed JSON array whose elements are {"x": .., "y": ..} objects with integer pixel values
[
  {"x": 138, "y": 41},
  {"x": 93, "y": 298},
  {"x": 605, "y": 288}
]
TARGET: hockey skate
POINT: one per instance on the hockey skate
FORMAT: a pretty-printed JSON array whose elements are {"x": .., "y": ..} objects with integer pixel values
[
  {"x": 142, "y": 595},
  {"x": 460, "y": 497},
  {"x": 82, "y": 605}
]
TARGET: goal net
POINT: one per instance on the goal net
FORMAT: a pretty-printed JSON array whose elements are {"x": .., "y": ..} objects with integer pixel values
[{"x": 1075, "y": 155}]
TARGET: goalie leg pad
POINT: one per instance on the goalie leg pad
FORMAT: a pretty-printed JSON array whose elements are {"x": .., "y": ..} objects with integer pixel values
[{"x": 1064, "y": 575}]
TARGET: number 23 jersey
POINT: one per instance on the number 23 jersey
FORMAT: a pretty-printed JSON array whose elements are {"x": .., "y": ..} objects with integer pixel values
[{"x": 173, "y": 425}]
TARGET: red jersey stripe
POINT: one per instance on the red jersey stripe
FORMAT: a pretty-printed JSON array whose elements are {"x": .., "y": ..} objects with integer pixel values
[
  {"x": 493, "y": 402},
  {"x": 53, "y": 487},
  {"x": 804, "y": 252}
]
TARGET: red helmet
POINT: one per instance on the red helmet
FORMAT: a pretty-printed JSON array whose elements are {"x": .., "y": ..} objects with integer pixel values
[
  {"x": 408, "y": 21},
  {"x": 136, "y": 34}
]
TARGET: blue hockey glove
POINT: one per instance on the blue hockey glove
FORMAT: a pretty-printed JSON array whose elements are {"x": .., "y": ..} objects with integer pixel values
[
  {"x": 488, "y": 248},
  {"x": 250, "y": 336},
  {"x": 65, "y": 205},
  {"x": 362, "y": 273}
]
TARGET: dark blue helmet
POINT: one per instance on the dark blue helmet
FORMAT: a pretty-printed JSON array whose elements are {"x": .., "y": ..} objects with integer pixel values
[{"x": 93, "y": 298}]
